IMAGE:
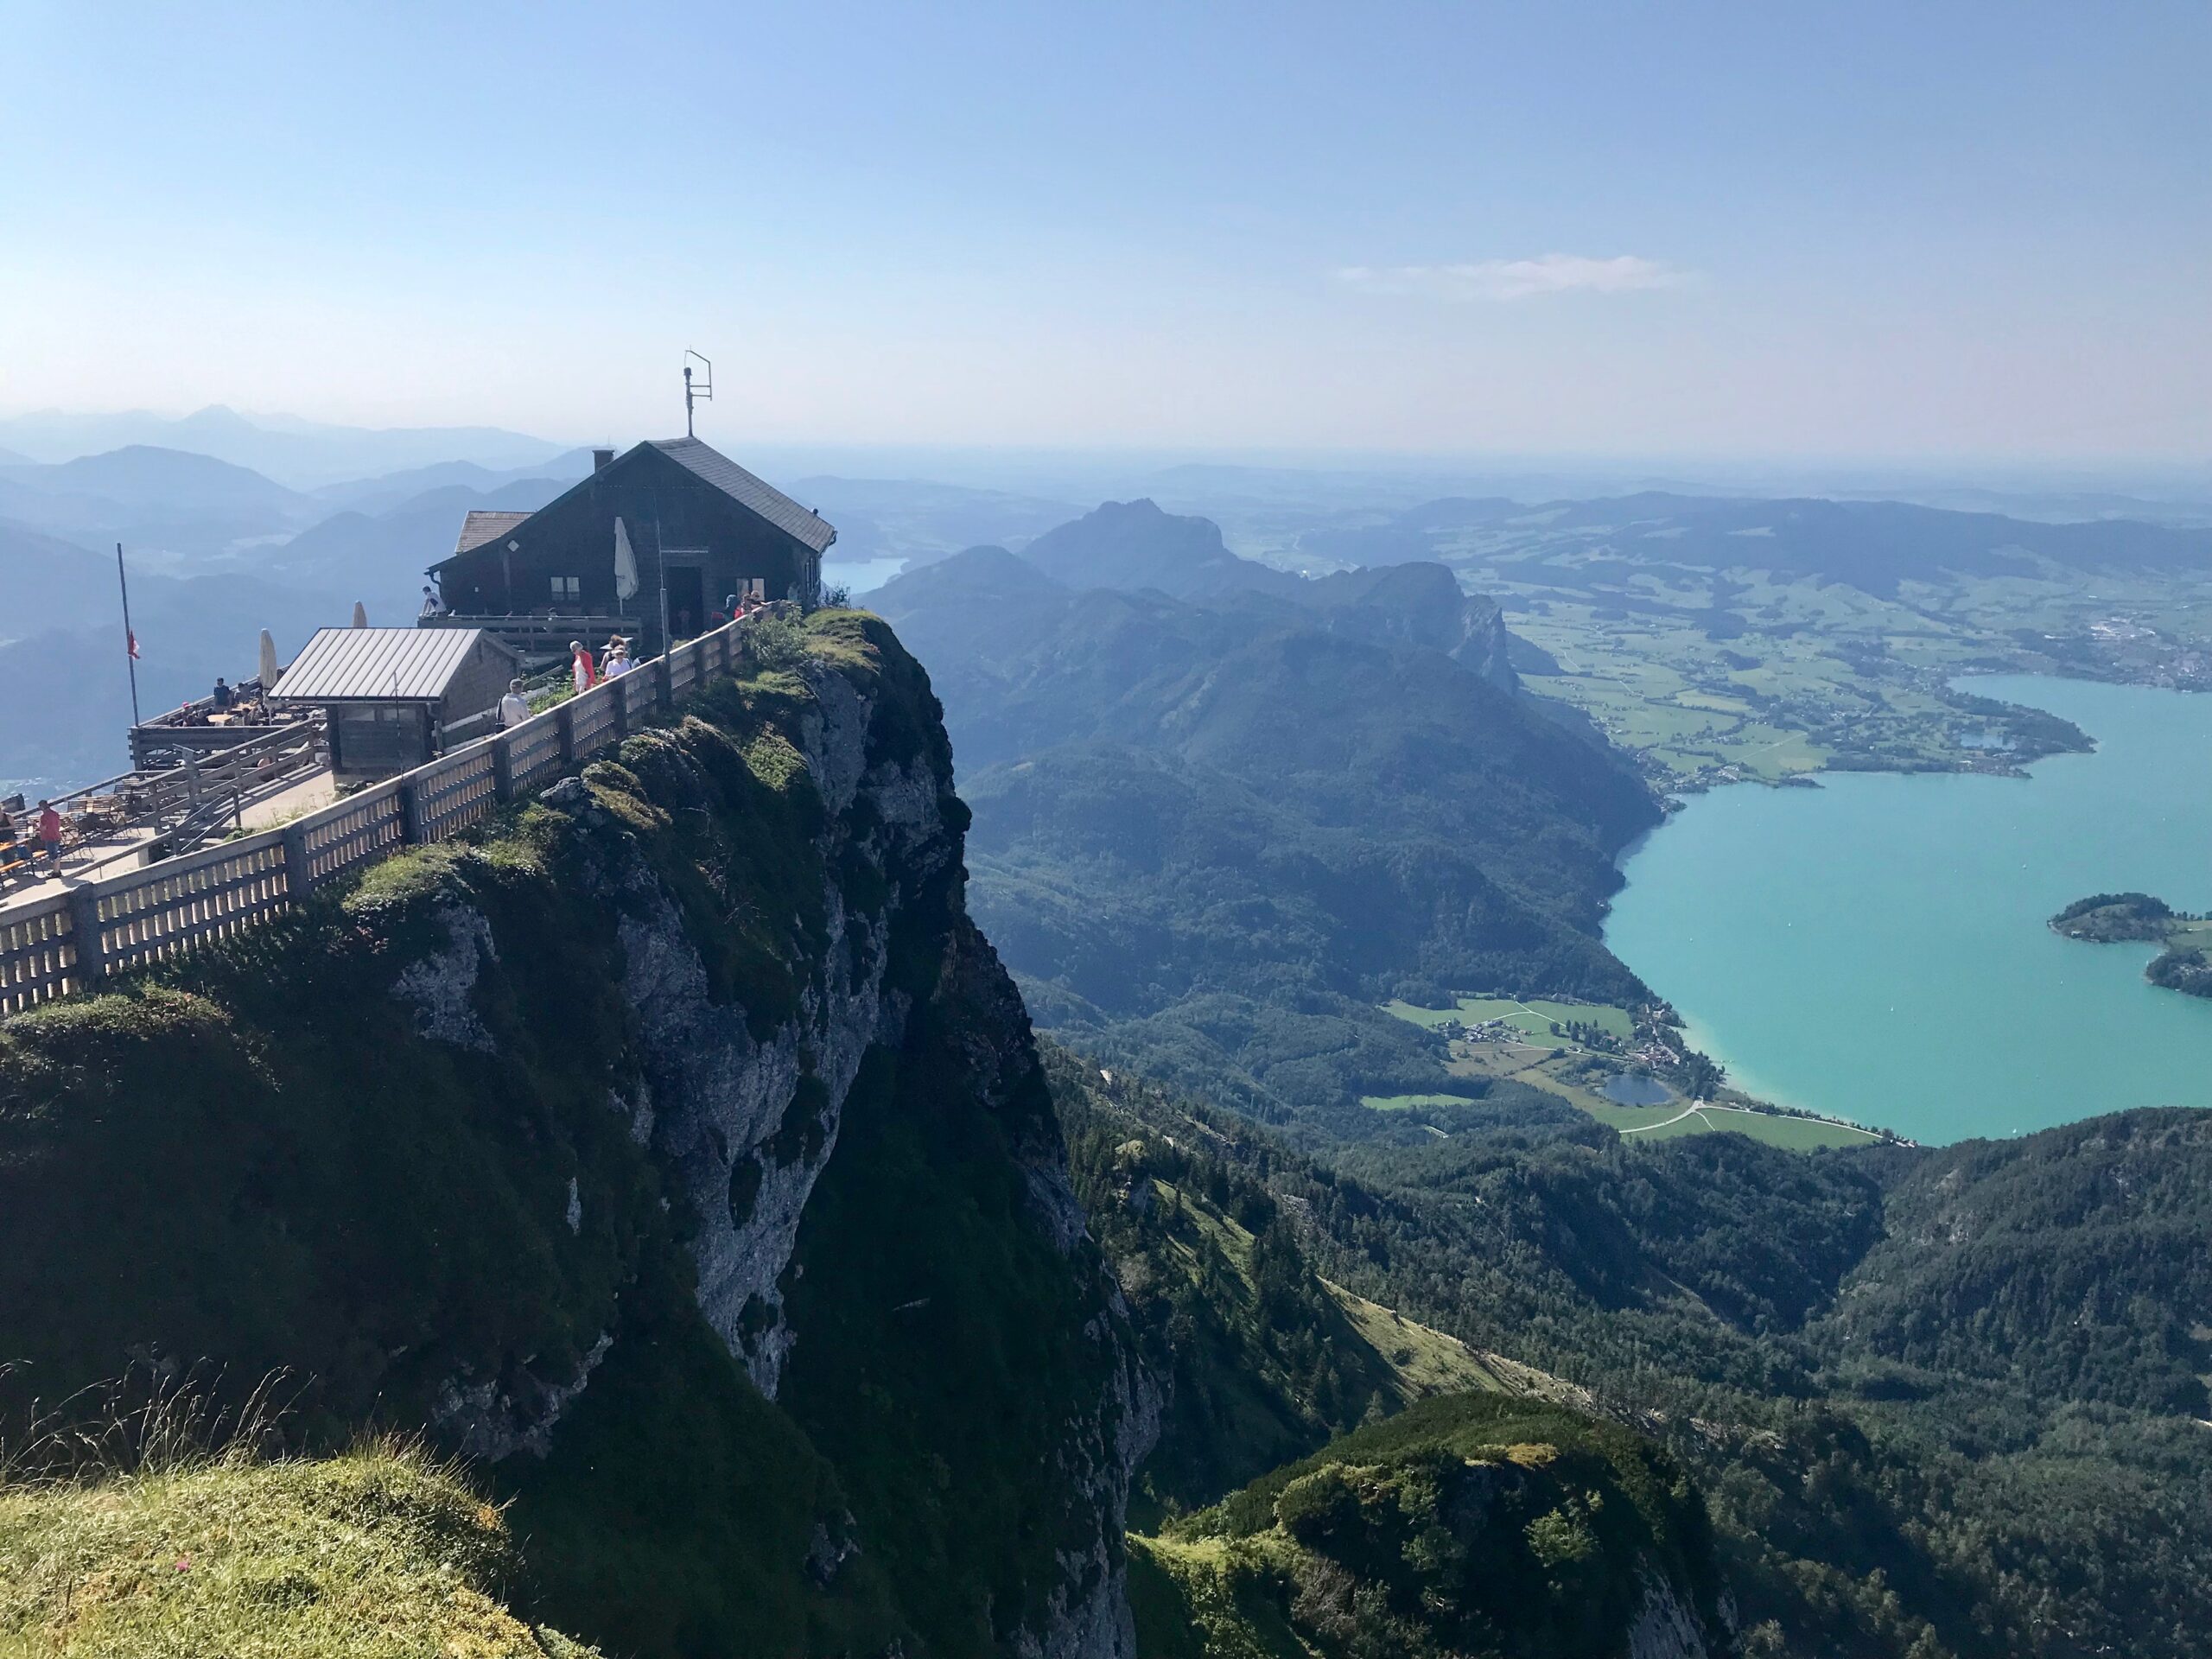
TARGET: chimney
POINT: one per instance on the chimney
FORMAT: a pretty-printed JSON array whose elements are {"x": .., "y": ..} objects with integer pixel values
[{"x": 600, "y": 458}]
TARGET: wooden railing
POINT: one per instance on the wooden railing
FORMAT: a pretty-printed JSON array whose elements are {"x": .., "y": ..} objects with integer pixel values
[
  {"x": 62, "y": 943},
  {"x": 543, "y": 638}
]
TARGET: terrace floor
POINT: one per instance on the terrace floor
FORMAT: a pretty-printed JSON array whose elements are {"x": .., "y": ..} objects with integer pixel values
[{"x": 117, "y": 850}]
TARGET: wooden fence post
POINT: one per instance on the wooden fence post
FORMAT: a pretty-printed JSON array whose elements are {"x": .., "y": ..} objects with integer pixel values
[
  {"x": 503, "y": 768},
  {"x": 564, "y": 722},
  {"x": 85, "y": 929},
  {"x": 299, "y": 879},
  {"x": 410, "y": 812}
]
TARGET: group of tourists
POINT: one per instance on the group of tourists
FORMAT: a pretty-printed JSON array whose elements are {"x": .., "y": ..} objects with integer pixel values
[
  {"x": 612, "y": 663},
  {"x": 585, "y": 671},
  {"x": 614, "y": 660},
  {"x": 739, "y": 606},
  {"x": 39, "y": 835}
]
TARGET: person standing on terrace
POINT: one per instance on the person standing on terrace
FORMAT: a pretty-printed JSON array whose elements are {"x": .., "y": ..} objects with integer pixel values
[{"x": 49, "y": 834}]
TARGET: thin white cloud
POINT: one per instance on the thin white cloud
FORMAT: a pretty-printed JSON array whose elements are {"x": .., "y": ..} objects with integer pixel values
[{"x": 1515, "y": 279}]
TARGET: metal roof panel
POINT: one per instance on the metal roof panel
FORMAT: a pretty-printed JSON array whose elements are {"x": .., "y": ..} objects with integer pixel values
[{"x": 406, "y": 665}]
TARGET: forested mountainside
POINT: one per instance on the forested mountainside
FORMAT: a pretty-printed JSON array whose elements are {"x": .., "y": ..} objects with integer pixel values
[
  {"x": 1946, "y": 1401},
  {"x": 1213, "y": 835},
  {"x": 675, "y": 1151}
]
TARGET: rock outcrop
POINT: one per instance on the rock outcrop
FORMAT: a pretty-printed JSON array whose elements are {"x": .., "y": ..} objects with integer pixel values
[{"x": 507, "y": 1141}]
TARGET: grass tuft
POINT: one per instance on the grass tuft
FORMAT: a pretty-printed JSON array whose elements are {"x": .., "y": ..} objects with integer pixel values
[{"x": 379, "y": 1552}]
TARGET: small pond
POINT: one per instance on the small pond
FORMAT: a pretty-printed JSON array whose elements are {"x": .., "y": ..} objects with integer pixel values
[{"x": 1625, "y": 1089}]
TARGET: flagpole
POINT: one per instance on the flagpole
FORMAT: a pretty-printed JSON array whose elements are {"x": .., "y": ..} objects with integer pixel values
[{"x": 130, "y": 638}]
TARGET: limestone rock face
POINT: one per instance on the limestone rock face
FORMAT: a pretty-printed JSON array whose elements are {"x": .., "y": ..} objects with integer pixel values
[
  {"x": 1668, "y": 1627},
  {"x": 745, "y": 1123}
]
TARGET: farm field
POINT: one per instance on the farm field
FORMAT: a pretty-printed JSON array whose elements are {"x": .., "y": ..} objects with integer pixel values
[
  {"x": 1793, "y": 1133},
  {"x": 1534, "y": 1017},
  {"x": 1744, "y": 674},
  {"x": 1541, "y": 1066}
]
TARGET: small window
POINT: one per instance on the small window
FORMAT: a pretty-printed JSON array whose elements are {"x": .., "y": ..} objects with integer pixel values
[{"x": 567, "y": 587}]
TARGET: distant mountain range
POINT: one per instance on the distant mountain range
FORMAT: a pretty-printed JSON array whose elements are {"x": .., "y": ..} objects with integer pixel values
[
  {"x": 295, "y": 518},
  {"x": 302, "y": 455},
  {"x": 918, "y": 521},
  {"x": 390, "y": 489},
  {"x": 166, "y": 501}
]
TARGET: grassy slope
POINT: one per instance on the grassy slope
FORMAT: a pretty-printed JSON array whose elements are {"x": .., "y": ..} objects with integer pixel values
[
  {"x": 375, "y": 1554},
  {"x": 1467, "y": 1523}
]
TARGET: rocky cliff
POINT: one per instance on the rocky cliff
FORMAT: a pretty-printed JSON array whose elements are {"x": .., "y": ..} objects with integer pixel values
[{"x": 676, "y": 1151}]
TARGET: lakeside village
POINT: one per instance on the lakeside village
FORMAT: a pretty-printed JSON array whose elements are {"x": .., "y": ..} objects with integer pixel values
[
  {"x": 658, "y": 544},
  {"x": 1492, "y": 1035},
  {"x": 1652, "y": 1043}
]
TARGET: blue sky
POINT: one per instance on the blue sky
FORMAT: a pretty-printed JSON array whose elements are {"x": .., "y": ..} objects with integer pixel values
[{"x": 1868, "y": 230}]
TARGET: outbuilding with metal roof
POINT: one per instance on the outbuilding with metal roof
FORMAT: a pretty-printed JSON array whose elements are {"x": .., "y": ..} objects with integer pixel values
[{"x": 396, "y": 697}]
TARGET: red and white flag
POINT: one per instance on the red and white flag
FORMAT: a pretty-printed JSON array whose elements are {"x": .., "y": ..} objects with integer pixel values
[{"x": 130, "y": 635}]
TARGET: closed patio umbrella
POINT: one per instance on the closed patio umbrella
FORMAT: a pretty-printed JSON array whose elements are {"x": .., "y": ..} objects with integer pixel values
[
  {"x": 626, "y": 566},
  {"x": 360, "y": 615},
  {"x": 268, "y": 668}
]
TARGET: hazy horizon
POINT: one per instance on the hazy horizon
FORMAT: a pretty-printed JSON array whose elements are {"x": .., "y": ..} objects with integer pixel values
[
  {"x": 1799, "y": 235},
  {"x": 948, "y": 461}
]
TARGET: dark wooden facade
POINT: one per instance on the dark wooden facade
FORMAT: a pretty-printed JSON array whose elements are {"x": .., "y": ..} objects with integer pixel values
[{"x": 699, "y": 526}]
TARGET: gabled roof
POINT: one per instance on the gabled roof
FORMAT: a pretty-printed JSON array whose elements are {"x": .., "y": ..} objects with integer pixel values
[
  {"x": 384, "y": 664},
  {"x": 482, "y": 525},
  {"x": 742, "y": 487},
  {"x": 482, "y": 528}
]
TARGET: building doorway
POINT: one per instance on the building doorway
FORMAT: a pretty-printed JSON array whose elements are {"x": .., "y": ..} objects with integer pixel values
[{"x": 687, "y": 600}]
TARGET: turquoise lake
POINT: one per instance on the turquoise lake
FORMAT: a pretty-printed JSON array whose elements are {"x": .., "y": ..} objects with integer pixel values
[{"x": 1876, "y": 948}]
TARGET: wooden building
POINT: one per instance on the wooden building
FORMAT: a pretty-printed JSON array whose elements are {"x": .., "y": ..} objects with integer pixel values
[
  {"x": 697, "y": 526},
  {"x": 398, "y": 698}
]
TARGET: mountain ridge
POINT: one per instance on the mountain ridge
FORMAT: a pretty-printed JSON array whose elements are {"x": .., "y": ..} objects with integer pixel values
[
  {"x": 303, "y": 455},
  {"x": 1220, "y": 830}
]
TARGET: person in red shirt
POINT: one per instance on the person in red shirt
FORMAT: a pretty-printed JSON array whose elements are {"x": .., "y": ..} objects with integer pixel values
[{"x": 49, "y": 833}]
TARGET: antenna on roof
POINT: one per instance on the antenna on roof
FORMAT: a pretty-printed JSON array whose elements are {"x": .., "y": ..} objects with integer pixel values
[{"x": 699, "y": 391}]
